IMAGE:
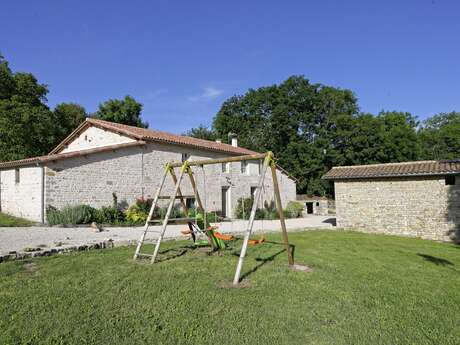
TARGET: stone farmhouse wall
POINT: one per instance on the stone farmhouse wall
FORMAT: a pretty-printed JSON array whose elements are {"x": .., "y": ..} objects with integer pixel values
[
  {"x": 423, "y": 207},
  {"x": 23, "y": 198},
  {"x": 136, "y": 172},
  {"x": 95, "y": 137}
]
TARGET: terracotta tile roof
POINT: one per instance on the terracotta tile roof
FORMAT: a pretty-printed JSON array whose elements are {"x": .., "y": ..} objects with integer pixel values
[
  {"x": 420, "y": 168},
  {"x": 59, "y": 156},
  {"x": 154, "y": 135}
]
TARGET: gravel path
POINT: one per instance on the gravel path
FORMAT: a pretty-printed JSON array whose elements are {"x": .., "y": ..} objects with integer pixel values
[{"x": 17, "y": 239}]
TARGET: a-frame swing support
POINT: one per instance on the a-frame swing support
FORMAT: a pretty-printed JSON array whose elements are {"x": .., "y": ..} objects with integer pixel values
[{"x": 269, "y": 162}]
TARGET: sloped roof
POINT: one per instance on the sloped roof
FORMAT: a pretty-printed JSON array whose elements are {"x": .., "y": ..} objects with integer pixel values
[
  {"x": 153, "y": 135},
  {"x": 59, "y": 156},
  {"x": 418, "y": 168}
]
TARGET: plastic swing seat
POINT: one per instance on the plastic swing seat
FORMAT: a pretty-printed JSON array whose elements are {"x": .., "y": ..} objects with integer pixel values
[{"x": 255, "y": 242}]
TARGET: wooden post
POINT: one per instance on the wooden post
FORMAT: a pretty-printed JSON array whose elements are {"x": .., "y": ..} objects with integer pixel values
[
  {"x": 279, "y": 206},
  {"x": 179, "y": 193},
  {"x": 253, "y": 157},
  {"x": 168, "y": 212},
  {"x": 152, "y": 208},
  {"x": 195, "y": 190},
  {"x": 244, "y": 248}
]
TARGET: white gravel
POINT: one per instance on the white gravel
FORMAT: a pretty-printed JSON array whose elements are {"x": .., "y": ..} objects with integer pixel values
[{"x": 16, "y": 239}]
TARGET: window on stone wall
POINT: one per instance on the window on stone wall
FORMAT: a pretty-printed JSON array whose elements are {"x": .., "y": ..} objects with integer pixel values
[
  {"x": 225, "y": 167},
  {"x": 244, "y": 167},
  {"x": 17, "y": 176},
  {"x": 253, "y": 192},
  {"x": 190, "y": 203},
  {"x": 185, "y": 156},
  {"x": 450, "y": 180}
]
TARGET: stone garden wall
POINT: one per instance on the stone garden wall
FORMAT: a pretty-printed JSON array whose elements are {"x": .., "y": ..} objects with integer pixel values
[{"x": 424, "y": 206}]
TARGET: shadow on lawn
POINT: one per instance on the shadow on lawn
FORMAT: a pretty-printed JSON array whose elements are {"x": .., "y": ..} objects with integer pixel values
[
  {"x": 263, "y": 261},
  {"x": 173, "y": 253},
  {"x": 436, "y": 261}
]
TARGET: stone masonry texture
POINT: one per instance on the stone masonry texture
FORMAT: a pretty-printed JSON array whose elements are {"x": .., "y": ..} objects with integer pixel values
[
  {"x": 412, "y": 206},
  {"x": 136, "y": 172}
]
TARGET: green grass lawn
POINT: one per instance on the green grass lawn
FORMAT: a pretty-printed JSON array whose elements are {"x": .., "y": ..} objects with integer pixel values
[
  {"x": 364, "y": 289},
  {"x": 7, "y": 220}
]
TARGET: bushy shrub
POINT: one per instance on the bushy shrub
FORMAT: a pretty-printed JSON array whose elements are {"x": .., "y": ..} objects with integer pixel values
[
  {"x": 294, "y": 209},
  {"x": 138, "y": 212},
  {"x": 71, "y": 214},
  {"x": 109, "y": 215},
  {"x": 243, "y": 208}
]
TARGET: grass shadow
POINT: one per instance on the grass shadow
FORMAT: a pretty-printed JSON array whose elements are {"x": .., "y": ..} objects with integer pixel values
[
  {"x": 264, "y": 260},
  {"x": 172, "y": 253},
  {"x": 435, "y": 260}
]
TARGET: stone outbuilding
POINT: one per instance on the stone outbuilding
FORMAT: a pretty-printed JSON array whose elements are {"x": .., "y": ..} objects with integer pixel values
[
  {"x": 413, "y": 198},
  {"x": 100, "y": 158},
  {"x": 312, "y": 204}
]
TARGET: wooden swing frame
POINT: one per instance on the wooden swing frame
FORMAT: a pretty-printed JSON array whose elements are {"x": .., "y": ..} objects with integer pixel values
[{"x": 186, "y": 168}]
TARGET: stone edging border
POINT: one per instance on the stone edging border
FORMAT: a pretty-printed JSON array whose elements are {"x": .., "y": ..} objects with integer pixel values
[{"x": 107, "y": 244}]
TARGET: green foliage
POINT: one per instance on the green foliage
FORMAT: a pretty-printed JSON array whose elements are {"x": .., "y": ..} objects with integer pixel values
[
  {"x": 440, "y": 136},
  {"x": 68, "y": 117},
  {"x": 269, "y": 211},
  {"x": 243, "y": 208},
  {"x": 27, "y": 126},
  {"x": 109, "y": 215},
  {"x": 71, "y": 215},
  {"x": 312, "y": 127},
  {"x": 294, "y": 209},
  {"x": 9, "y": 221},
  {"x": 126, "y": 111},
  {"x": 138, "y": 212},
  {"x": 202, "y": 132}
]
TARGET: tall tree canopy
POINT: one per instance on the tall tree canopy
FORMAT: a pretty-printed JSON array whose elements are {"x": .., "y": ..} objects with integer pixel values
[
  {"x": 69, "y": 116},
  {"x": 126, "y": 111},
  {"x": 27, "y": 126},
  {"x": 312, "y": 127},
  {"x": 299, "y": 121},
  {"x": 440, "y": 136},
  {"x": 26, "y": 123},
  {"x": 201, "y": 132}
]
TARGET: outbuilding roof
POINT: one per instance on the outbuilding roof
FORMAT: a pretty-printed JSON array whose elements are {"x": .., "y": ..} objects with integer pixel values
[
  {"x": 418, "y": 168},
  {"x": 153, "y": 135}
]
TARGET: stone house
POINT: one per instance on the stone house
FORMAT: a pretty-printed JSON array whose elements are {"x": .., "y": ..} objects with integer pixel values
[
  {"x": 312, "y": 204},
  {"x": 414, "y": 198},
  {"x": 100, "y": 158}
]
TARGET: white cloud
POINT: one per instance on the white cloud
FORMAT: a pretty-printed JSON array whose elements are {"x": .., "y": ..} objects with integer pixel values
[{"x": 209, "y": 93}]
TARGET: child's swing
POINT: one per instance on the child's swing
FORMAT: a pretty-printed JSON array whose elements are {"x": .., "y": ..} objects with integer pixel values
[{"x": 215, "y": 238}]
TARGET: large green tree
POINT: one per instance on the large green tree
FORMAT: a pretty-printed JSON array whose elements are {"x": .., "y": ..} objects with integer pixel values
[
  {"x": 299, "y": 121},
  {"x": 126, "y": 111},
  {"x": 202, "y": 132},
  {"x": 26, "y": 123},
  {"x": 440, "y": 136},
  {"x": 312, "y": 127},
  {"x": 68, "y": 117}
]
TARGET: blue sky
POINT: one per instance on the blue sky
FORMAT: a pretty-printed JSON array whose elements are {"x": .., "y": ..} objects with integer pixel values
[{"x": 182, "y": 59}]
